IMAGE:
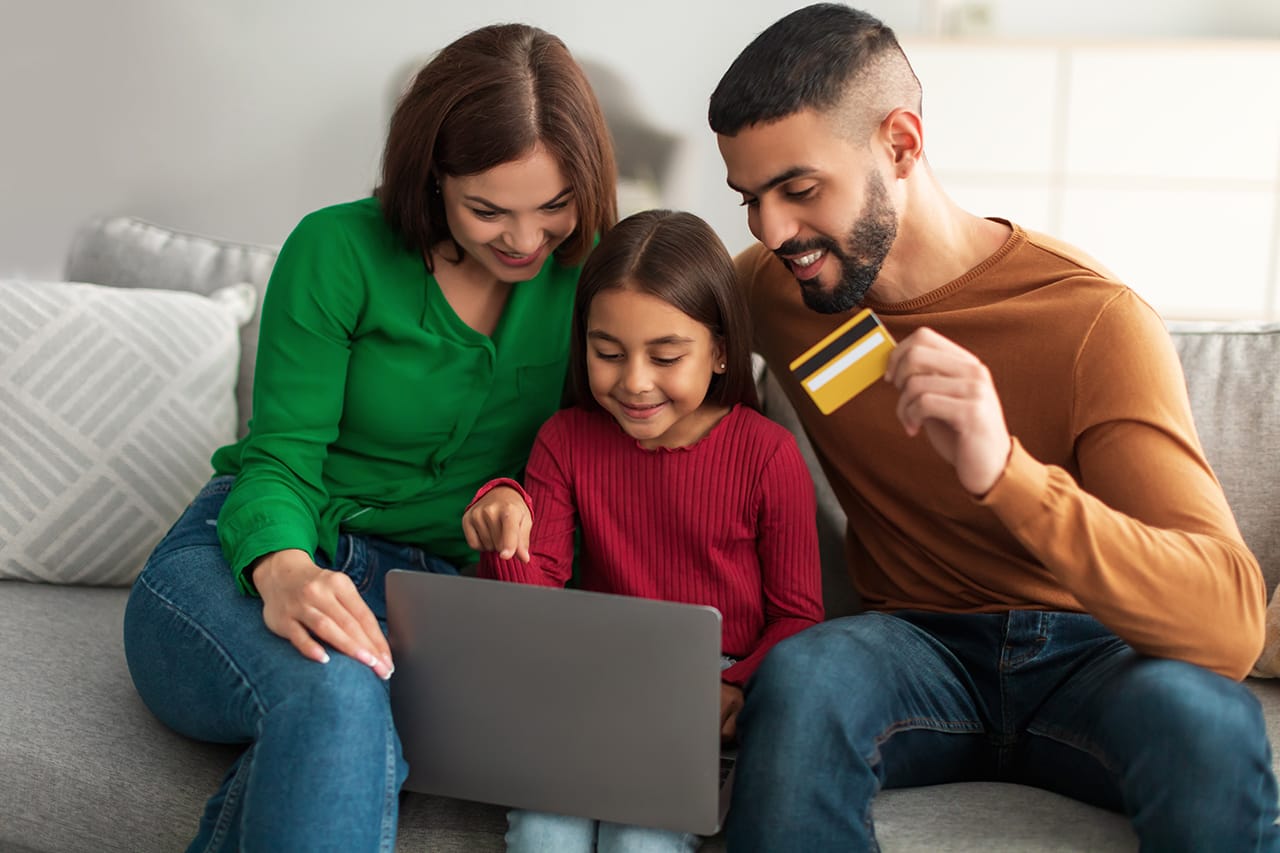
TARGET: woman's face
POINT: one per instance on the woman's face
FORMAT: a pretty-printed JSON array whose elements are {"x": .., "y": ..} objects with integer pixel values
[{"x": 510, "y": 218}]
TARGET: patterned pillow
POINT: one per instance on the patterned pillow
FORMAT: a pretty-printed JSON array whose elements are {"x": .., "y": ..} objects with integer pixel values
[{"x": 111, "y": 402}]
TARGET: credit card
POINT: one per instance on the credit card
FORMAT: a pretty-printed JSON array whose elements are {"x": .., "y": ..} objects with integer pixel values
[{"x": 837, "y": 368}]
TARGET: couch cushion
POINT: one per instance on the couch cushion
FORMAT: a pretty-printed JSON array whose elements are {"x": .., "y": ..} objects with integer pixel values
[
  {"x": 1232, "y": 385},
  {"x": 124, "y": 251},
  {"x": 111, "y": 402}
]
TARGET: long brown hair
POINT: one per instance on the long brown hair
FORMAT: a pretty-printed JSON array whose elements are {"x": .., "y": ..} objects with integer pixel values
[
  {"x": 487, "y": 99},
  {"x": 678, "y": 258}
]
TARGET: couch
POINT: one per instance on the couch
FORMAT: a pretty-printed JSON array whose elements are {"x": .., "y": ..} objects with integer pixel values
[{"x": 85, "y": 767}]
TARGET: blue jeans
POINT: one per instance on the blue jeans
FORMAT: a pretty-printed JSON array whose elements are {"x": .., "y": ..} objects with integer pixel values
[
  {"x": 323, "y": 768},
  {"x": 1052, "y": 700},
  {"x": 541, "y": 832}
]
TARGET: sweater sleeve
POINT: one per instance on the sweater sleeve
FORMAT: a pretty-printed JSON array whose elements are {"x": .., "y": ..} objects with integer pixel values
[
  {"x": 1142, "y": 536},
  {"x": 787, "y": 545},
  {"x": 549, "y": 493},
  {"x": 308, "y": 316}
]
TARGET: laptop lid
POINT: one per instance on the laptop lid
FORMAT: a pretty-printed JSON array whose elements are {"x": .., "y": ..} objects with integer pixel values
[{"x": 557, "y": 700}]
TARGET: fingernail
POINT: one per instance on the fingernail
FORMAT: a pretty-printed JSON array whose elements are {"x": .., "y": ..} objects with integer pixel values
[
  {"x": 506, "y": 555},
  {"x": 324, "y": 657},
  {"x": 368, "y": 659},
  {"x": 390, "y": 673}
]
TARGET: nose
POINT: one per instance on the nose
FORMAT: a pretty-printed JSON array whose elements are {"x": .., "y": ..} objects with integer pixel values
[
  {"x": 524, "y": 237},
  {"x": 771, "y": 224},
  {"x": 636, "y": 377}
]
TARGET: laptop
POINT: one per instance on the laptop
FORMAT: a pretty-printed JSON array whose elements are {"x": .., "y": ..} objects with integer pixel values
[{"x": 559, "y": 700}]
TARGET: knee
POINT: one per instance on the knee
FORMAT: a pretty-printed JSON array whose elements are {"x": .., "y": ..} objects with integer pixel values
[
  {"x": 621, "y": 838},
  {"x": 1191, "y": 712},
  {"x": 342, "y": 693}
]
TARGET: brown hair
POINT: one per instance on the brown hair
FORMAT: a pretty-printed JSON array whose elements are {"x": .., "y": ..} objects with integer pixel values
[
  {"x": 678, "y": 258},
  {"x": 487, "y": 99}
]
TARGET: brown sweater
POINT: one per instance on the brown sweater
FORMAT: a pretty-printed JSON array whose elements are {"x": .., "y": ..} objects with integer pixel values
[{"x": 1107, "y": 504}]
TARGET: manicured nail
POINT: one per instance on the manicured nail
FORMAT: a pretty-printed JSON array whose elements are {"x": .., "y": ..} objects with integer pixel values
[
  {"x": 390, "y": 672},
  {"x": 367, "y": 659},
  {"x": 324, "y": 657}
]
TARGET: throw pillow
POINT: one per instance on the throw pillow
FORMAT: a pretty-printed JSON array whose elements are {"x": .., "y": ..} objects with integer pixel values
[{"x": 111, "y": 402}]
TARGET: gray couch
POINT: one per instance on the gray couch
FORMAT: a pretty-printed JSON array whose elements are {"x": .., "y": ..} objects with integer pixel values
[{"x": 84, "y": 766}]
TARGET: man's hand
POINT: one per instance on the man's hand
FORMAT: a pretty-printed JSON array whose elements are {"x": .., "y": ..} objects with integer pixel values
[
  {"x": 948, "y": 392},
  {"x": 500, "y": 521},
  {"x": 306, "y": 604},
  {"x": 730, "y": 704}
]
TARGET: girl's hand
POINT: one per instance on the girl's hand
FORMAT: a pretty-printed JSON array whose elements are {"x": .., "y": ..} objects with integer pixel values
[
  {"x": 500, "y": 521},
  {"x": 730, "y": 704},
  {"x": 306, "y": 604},
  {"x": 948, "y": 393}
]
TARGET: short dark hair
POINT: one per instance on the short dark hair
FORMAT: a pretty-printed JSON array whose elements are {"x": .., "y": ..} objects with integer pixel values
[
  {"x": 678, "y": 258},
  {"x": 811, "y": 59},
  {"x": 487, "y": 99}
]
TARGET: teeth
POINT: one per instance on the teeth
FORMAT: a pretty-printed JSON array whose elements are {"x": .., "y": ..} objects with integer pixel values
[{"x": 806, "y": 260}]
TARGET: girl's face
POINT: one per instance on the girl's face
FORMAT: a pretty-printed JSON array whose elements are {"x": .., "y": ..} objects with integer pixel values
[
  {"x": 510, "y": 218},
  {"x": 649, "y": 365}
]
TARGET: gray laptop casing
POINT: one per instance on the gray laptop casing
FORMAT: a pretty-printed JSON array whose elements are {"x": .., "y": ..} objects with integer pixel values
[{"x": 558, "y": 700}]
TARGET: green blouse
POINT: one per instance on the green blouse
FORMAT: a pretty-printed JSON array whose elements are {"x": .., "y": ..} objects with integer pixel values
[{"x": 376, "y": 410}]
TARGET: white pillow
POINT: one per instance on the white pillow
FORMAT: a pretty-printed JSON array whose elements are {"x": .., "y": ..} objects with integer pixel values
[{"x": 111, "y": 402}]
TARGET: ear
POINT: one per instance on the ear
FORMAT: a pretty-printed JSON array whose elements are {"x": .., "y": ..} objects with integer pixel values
[
  {"x": 903, "y": 135},
  {"x": 718, "y": 364}
]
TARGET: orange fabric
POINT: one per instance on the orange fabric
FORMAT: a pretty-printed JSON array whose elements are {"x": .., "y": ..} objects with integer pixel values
[{"x": 1106, "y": 505}]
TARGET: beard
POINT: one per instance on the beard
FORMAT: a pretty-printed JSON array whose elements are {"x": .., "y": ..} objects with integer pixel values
[{"x": 860, "y": 258}]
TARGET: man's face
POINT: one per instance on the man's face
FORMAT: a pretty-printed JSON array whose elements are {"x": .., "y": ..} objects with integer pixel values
[{"x": 815, "y": 200}]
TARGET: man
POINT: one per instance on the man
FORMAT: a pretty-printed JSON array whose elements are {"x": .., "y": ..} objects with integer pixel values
[{"x": 1057, "y": 592}]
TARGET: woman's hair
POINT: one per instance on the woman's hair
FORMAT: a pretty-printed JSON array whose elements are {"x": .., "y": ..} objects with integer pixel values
[
  {"x": 484, "y": 100},
  {"x": 678, "y": 258}
]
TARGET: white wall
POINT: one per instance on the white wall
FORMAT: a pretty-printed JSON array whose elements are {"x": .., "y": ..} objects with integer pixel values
[{"x": 236, "y": 117}]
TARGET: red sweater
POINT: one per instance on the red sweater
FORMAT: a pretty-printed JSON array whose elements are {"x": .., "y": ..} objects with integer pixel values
[{"x": 728, "y": 521}]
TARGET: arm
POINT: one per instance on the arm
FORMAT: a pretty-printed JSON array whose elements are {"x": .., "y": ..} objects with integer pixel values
[
  {"x": 269, "y": 524},
  {"x": 787, "y": 547},
  {"x": 550, "y": 543},
  {"x": 1142, "y": 535},
  {"x": 308, "y": 317}
]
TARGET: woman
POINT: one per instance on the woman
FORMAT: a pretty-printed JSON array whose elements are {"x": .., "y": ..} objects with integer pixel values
[{"x": 410, "y": 343}]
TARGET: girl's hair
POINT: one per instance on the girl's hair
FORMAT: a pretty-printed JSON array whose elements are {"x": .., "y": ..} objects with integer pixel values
[
  {"x": 678, "y": 258},
  {"x": 484, "y": 100}
]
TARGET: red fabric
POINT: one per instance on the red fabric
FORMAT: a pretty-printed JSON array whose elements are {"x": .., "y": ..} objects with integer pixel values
[{"x": 728, "y": 521}]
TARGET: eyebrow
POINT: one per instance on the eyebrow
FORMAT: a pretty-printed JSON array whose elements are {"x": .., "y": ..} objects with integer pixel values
[
  {"x": 597, "y": 334},
  {"x": 478, "y": 199},
  {"x": 790, "y": 174}
]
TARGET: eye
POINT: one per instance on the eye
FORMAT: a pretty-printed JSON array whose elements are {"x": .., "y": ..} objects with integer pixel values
[
  {"x": 800, "y": 194},
  {"x": 666, "y": 362},
  {"x": 556, "y": 206},
  {"x": 484, "y": 213},
  {"x": 749, "y": 202},
  {"x": 608, "y": 356}
]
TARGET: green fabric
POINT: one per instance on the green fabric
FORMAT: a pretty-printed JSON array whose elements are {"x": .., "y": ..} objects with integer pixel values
[{"x": 375, "y": 409}]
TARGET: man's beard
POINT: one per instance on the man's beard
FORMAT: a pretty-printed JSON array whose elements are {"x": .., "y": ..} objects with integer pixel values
[{"x": 860, "y": 257}]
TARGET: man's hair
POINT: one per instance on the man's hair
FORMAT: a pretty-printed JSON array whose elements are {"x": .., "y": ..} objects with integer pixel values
[
  {"x": 677, "y": 257},
  {"x": 826, "y": 57},
  {"x": 486, "y": 99}
]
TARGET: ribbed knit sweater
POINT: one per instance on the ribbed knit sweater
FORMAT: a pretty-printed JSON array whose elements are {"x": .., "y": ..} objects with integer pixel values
[{"x": 728, "y": 521}]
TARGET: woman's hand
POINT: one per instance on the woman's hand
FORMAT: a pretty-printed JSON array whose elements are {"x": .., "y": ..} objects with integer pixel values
[
  {"x": 948, "y": 392},
  {"x": 306, "y": 604},
  {"x": 730, "y": 704},
  {"x": 500, "y": 521}
]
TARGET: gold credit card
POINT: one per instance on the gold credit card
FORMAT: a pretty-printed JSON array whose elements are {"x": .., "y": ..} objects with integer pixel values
[{"x": 838, "y": 367}]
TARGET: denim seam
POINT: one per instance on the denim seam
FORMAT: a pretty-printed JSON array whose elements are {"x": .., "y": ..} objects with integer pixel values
[
  {"x": 1070, "y": 739},
  {"x": 209, "y": 638},
  {"x": 387, "y": 843},
  {"x": 234, "y": 792}
]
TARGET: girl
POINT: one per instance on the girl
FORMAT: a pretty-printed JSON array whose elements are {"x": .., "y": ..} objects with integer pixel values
[
  {"x": 409, "y": 342},
  {"x": 682, "y": 489}
]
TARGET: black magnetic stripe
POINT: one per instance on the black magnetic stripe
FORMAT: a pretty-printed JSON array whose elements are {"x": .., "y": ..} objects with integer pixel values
[{"x": 833, "y": 349}]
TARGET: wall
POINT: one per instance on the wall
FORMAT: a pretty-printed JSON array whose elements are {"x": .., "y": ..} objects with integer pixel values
[{"x": 235, "y": 118}]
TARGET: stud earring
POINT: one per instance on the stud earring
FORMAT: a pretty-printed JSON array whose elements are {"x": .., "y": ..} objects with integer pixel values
[{"x": 722, "y": 365}]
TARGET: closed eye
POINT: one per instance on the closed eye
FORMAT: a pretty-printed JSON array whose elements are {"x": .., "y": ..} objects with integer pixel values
[
  {"x": 485, "y": 214},
  {"x": 666, "y": 362},
  {"x": 608, "y": 356}
]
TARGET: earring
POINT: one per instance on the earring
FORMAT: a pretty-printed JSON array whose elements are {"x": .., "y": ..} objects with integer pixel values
[{"x": 722, "y": 365}]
